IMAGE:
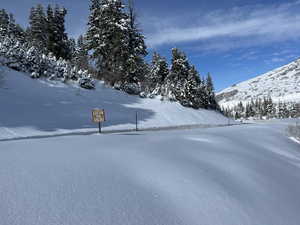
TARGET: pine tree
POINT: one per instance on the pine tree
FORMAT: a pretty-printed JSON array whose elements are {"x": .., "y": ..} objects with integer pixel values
[
  {"x": 47, "y": 31},
  {"x": 4, "y": 23},
  {"x": 108, "y": 38},
  {"x": 195, "y": 90},
  {"x": 51, "y": 31},
  {"x": 60, "y": 47},
  {"x": 38, "y": 27},
  {"x": 241, "y": 110},
  {"x": 158, "y": 74},
  {"x": 93, "y": 33},
  {"x": 9, "y": 28},
  {"x": 280, "y": 110},
  {"x": 80, "y": 57},
  {"x": 178, "y": 75},
  {"x": 212, "y": 103},
  {"x": 136, "y": 48},
  {"x": 293, "y": 110}
]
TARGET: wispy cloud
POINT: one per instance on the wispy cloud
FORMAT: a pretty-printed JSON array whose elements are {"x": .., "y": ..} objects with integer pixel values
[{"x": 227, "y": 29}]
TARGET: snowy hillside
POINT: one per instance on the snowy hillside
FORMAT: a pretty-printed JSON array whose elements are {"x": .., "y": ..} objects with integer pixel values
[
  {"x": 41, "y": 107},
  {"x": 282, "y": 84}
]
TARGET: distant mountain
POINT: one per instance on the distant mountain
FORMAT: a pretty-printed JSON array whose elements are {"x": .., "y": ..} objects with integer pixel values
[{"x": 282, "y": 85}]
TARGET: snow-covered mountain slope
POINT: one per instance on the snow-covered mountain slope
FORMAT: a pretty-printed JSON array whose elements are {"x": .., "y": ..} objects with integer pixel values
[
  {"x": 41, "y": 107},
  {"x": 241, "y": 175},
  {"x": 282, "y": 84}
]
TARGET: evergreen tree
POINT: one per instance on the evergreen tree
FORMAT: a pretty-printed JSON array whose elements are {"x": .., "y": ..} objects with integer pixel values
[
  {"x": 241, "y": 110},
  {"x": 270, "y": 107},
  {"x": 60, "y": 47},
  {"x": 4, "y": 23},
  {"x": 51, "y": 30},
  {"x": 9, "y": 28},
  {"x": 212, "y": 103},
  {"x": 47, "y": 31},
  {"x": 178, "y": 75},
  {"x": 293, "y": 110},
  {"x": 38, "y": 27},
  {"x": 80, "y": 57},
  {"x": 195, "y": 90},
  {"x": 158, "y": 74},
  {"x": 108, "y": 38},
  {"x": 136, "y": 47}
]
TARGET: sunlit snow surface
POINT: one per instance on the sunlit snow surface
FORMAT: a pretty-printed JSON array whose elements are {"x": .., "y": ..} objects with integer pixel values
[{"x": 241, "y": 175}]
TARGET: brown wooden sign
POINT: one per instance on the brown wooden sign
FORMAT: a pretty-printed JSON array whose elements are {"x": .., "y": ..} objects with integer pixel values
[{"x": 98, "y": 115}]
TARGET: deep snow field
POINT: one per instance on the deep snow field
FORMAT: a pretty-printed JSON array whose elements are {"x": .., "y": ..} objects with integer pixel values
[
  {"x": 39, "y": 107},
  {"x": 239, "y": 175}
]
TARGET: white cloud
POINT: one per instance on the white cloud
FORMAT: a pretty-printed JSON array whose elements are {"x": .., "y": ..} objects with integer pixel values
[{"x": 223, "y": 30}]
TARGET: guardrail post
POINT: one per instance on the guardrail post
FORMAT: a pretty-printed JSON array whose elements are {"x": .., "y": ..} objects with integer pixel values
[{"x": 136, "y": 121}]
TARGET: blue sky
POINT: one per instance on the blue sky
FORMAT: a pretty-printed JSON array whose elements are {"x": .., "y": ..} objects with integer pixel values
[{"x": 233, "y": 40}]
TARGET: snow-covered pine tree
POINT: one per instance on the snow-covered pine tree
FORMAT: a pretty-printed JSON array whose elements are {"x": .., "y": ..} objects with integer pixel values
[
  {"x": 195, "y": 90},
  {"x": 212, "y": 103},
  {"x": 15, "y": 30},
  {"x": 286, "y": 112},
  {"x": 47, "y": 31},
  {"x": 293, "y": 110},
  {"x": 241, "y": 110},
  {"x": 80, "y": 57},
  {"x": 270, "y": 108},
  {"x": 4, "y": 23},
  {"x": 93, "y": 33},
  {"x": 137, "y": 49},
  {"x": 280, "y": 110},
  {"x": 38, "y": 27},
  {"x": 177, "y": 78},
  {"x": 51, "y": 35},
  {"x": 158, "y": 74},
  {"x": 60, "y": 47},
  {"x": 108, "y": 38}
]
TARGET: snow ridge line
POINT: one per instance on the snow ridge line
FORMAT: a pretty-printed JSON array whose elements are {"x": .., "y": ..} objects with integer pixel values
[{"x": 86, "y": 133}]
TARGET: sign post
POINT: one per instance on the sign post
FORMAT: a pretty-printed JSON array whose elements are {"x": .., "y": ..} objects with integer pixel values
[
  {"x": 136, "y": 121},
  {"x": 98, "y": 116}
]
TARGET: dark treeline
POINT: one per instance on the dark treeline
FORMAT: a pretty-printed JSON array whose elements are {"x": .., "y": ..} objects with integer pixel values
[
  {"x": 263, "y": 109},
  {"x": 113, "y": 49}
]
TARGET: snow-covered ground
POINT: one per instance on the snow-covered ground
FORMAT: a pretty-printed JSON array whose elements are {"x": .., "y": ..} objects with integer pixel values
[
  {"x": 282, "y": 84},
  {"x": 39, "y": 107},
  {"x": 240, "y": 175}
]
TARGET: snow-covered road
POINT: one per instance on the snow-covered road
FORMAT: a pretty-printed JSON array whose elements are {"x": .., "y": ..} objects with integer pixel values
[{"x": 241, "y": 175}]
